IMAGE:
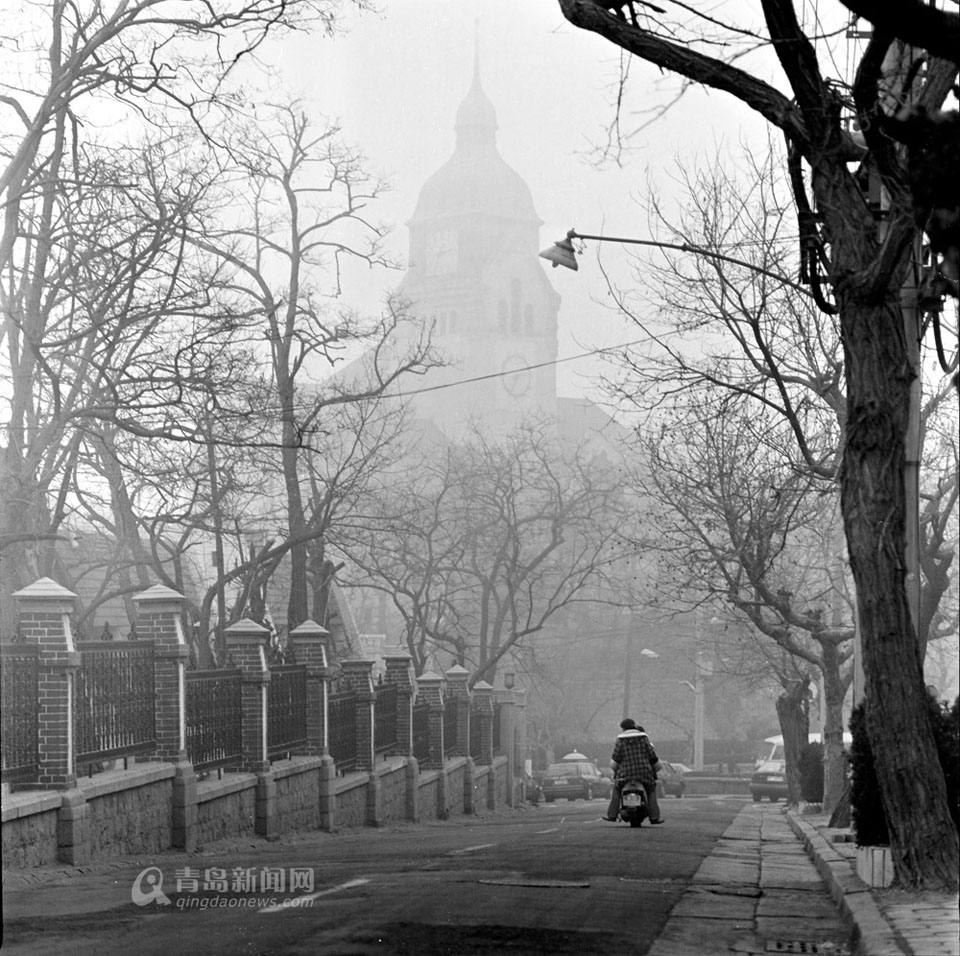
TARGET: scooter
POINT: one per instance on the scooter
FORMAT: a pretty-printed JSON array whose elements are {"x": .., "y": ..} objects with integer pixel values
[{"x": 633, "y": 804}]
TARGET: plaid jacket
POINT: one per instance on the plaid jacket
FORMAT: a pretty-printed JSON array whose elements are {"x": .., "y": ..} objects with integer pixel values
[{"x": 635, "y": 757}]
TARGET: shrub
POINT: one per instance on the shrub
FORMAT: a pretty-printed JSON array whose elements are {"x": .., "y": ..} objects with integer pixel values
[
  {"x": 811, "y": 773},
  {"x": 866, "y": 809},
  {"x": 945, "y": 721}
]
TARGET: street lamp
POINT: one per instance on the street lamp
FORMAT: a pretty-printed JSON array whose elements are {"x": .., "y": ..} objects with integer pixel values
[
  {"x": 704, "y": 669},
  {"x": 563, "y": 253}
]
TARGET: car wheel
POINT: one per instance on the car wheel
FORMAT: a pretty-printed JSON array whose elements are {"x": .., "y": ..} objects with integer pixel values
[
  {"x": 550, "y": 799},
  {"x": 680, "y": 793},
  {"x": 757, "y": 798},
  {"x": 774, "y": 799}
]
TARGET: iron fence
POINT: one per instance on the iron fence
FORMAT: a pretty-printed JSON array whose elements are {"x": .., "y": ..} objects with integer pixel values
[
  {"x": 385, "y": 718},
  {"x": 476, "y": 737},
  {"x": 19, "y": 756},
  {"x": 342, "y": 731},
  {"x": 113, "y": 701},
  {"x": 286, "y": 709},
  {"x": 451, "y": 724},
  {"x": 214, "y": 718},
  {"x": 421, "y": 731}
]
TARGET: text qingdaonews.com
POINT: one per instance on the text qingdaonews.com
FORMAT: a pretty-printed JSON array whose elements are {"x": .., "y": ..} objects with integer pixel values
[{"x": 239, "y": 902}]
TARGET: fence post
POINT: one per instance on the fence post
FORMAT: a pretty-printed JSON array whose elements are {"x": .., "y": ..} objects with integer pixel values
[
  {"x": 309, "y": 643},
  {"x": 159, "y": 611},
  {"x": 44, "y": 609},
  {"x": 457, "y": 678},
  {"x": 399, "y": 672},
  {"x": 246, "y": 646},
  {"x": 358, "y": 675},
  {"x": 430, "y": 689},
  {"x": 483, "y": 712}
]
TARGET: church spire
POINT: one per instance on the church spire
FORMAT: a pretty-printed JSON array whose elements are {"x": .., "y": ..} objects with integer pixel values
[{"x": 476, "y": 123}]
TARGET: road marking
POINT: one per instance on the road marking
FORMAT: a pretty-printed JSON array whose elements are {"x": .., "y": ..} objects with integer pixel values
[
  {"x": 470, "y": 849},
  {"x": 551, "y": 830},
  {"x": 296, "y": 901}
]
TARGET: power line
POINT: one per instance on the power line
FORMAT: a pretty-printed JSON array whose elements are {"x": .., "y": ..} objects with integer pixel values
[{"x": 517, "y": 371}]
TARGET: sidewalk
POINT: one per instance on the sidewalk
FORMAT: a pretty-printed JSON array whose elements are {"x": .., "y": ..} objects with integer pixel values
[
  {"x": 777, "y": 883},
  {"x": 887, "y": 921}
]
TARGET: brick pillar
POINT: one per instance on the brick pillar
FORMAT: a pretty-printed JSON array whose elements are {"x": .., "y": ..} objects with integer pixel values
[
  {"x": 430, "y": 689},
  {"x": 457, "y": 687},
  {"x": 400, "y": 672},
  {"x": 246, "y": 644},
  {"x": 512, "y": 703},
  {"x": 159, "y": 619},
  {"x": 358, "y": 676},
  {"x": 309, "y": 643},
  {"x": 44, "y": 610},
  {"x": 482, "y": 706}
]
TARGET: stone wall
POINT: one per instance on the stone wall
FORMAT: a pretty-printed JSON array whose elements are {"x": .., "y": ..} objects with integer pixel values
[
  {"x": 30, "y": 831},
  {"x": 393, "y": 792},
  {"x": 298, "y": 794},
  {"x": 456, "y": 775},
  {"x": 352, "y": 800},
  {"x": 226, "y": 807},
  {"x": 428, "y": 795}
]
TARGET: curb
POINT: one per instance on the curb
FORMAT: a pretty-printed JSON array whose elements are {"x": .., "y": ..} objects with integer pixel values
[{"x": 872, "y": 934}]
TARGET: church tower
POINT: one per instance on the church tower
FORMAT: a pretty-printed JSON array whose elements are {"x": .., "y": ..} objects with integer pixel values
[{"x": 475, "y": 276}]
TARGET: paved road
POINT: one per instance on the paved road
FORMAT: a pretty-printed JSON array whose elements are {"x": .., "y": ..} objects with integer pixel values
[{"x": 550, "y": 880}]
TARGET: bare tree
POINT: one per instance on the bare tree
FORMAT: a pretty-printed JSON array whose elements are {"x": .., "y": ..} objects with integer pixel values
[
  {"x": 865, "y": 260},
  {"x": 301, "y": 213},
  {"x": 492, "y": 540},
  {"x": 738, "y": 523}
]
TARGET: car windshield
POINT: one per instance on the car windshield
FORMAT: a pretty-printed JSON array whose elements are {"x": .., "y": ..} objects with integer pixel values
[{"x": 564, "y": 769}]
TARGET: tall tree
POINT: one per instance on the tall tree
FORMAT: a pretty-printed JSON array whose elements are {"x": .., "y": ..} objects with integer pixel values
[{"x": 858, "y": 263}]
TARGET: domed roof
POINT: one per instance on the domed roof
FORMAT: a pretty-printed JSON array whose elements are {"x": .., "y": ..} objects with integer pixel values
[{"x": 475, "y": 180}]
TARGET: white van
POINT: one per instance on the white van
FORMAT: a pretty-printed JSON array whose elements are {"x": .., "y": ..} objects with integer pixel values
[{"x": 770, "y": 774}]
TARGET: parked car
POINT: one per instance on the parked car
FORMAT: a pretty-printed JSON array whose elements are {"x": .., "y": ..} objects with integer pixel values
[
  {"x": 606, "y": 777},
  {"x": 571, "y": 779},
  {"x": 670, "y": 779},
  {"x": 770, "y": 777}
]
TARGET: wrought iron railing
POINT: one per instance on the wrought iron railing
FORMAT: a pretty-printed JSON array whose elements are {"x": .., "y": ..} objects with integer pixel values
[
  {"x": 18, "y": 691},
  {"x": 342, "y": 732},
  {"x": 451, "y": 723},
  {"x": 286, "y": 709},
  {"x": 214, "y": 718},
  {"x": 385, "y": 718},
  {"x": 476, "y": 736},
  {"x": 421, "y": 731},
  {"x": 113, "y": 701}
]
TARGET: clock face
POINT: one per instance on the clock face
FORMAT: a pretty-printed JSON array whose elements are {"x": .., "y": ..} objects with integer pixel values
[
  {"x": 516, "y": 377},
  {"x": 441, "y": 252}
]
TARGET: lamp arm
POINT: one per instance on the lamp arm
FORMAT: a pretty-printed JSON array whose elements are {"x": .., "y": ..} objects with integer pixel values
[{"x": 696, "y": 250}]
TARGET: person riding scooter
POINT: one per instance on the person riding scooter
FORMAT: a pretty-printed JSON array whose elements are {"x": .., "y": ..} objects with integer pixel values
[{"x": 634, "y": 759}]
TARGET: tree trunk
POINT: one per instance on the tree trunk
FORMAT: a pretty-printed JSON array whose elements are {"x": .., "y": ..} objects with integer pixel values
[
  {"x": 923, "y": 837},
  {"x": 795, "y": 727},
  {"x": 833, "y": 759}
]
